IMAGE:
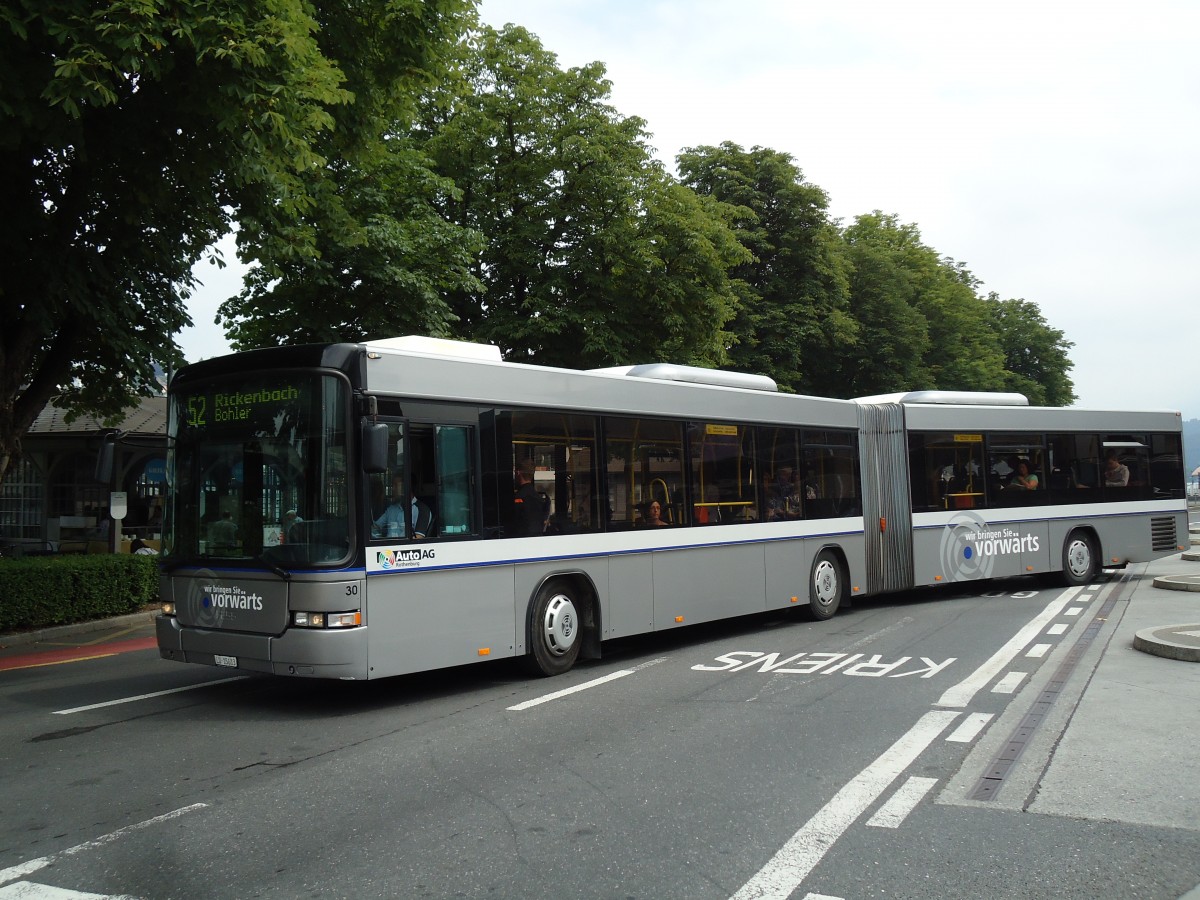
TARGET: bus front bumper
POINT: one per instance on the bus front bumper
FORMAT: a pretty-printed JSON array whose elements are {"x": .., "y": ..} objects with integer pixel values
[{"x": 309, "y": 653}]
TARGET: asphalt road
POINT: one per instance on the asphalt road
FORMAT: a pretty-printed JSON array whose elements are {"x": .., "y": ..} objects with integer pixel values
[{"x": 888, "y": 752}]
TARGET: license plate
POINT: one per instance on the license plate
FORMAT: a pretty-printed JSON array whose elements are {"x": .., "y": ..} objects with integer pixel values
[{"x": 230, "y": 661}]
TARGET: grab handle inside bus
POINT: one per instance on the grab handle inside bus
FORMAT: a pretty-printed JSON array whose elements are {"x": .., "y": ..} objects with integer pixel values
[{"x": 374, "y": 447}]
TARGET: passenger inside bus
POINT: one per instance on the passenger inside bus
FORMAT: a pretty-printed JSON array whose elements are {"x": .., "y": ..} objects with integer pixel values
[
  {"x": 396, "y": 518},
  {"x": 783, "y": 497},
  {"x": 529, "y": 507},
  {"x": 651, "y": 516},
  {"x": 1023, "y": 479},
  {"x": 1116, "y": 474}
]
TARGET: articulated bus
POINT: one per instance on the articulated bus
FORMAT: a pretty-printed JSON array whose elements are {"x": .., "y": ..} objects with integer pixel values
[{"x": 357, "y": 511}]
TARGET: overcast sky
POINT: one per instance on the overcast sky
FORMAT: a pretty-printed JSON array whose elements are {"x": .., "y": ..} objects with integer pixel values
[{"x": 1051, "y": 147}]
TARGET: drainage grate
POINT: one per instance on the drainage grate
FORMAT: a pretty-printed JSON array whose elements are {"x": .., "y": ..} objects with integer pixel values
[{"x": 993, "y": 777}]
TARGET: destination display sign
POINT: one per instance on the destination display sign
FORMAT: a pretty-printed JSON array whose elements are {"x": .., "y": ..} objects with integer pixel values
[{"x": 256, "y": 404}]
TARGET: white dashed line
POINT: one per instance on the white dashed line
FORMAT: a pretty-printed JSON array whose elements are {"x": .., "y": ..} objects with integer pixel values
[
  {"x": 20, "y": 870},
  {"x": 595, "y": 682},
  {"x": 960, "y": 695},
  {"x": 190, "y": 687},
  {"x": 893, "y": 813},
  {"x": 970, "y": 728},
  {"x": 1009, "y": 682},
  {"x": 804, "y": 850}
]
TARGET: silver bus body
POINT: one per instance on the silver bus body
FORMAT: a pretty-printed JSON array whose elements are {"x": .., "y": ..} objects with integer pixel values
[{"x": 386, "y": 606}]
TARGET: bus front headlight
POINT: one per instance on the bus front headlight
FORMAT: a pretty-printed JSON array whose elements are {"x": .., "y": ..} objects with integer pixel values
[{"x": 352, "y": 619}]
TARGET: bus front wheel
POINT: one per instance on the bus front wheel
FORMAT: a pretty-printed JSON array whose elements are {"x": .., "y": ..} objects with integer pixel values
[
  {"x": 554, "y": 630},
  {"x": 826, "y": 586},
  {"x": 1079, "y": 564}
]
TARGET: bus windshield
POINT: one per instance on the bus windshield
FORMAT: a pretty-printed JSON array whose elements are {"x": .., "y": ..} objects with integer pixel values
[{"x": 258, "y": 466}]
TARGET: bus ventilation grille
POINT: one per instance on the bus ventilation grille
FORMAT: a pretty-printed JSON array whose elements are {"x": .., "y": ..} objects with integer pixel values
[{"x": 1162, "y": 533}]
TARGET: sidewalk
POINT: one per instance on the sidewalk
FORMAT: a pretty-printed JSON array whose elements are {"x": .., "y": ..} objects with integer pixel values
[
  {"x": 139, "y": 625},
  {"x": 1130, "y": 751}
]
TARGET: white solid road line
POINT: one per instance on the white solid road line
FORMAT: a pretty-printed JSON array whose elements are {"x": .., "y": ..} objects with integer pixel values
[{"x": 805, "y": 849}]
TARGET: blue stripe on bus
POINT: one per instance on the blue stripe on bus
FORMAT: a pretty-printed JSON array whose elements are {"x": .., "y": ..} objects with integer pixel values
[{"x": 481, "y": 564}]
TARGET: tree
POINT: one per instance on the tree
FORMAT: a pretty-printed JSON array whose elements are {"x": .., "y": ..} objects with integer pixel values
[
  {"x": 388, "y": 276},
  {"x": 794, "y": 317},
  {"x": 1036, "y": 360},
  {"x": 893, "y": 338},
  {"x": 945, "y": 320},
  {"x": 133, "y": 134},
  {"x": 593, "y": 256}
]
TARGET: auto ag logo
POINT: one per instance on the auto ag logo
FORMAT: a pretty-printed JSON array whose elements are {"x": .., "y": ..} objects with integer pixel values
[{"x": 402, "y": 559}]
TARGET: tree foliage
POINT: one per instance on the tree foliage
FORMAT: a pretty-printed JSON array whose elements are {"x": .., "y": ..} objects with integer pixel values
[
  {"x": 389, "y": 170},
  {"x": 926, "y": 327},
  {"x": 134, "y": 133},
  {"x": 593, "y": 255},
  {"x": 1036, "y": 360},
  {"x": 794, "y": 318},
  {"x": 389, "y": 274}
]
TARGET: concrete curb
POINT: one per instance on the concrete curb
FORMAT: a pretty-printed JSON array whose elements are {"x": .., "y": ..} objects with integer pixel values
[
  {"x": 1180, "y": 642},
  {"x": 77, "y": 629},
  {"x": 1178, "y": 582}
]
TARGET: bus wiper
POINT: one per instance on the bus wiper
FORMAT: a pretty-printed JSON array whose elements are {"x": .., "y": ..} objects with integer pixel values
[{"x": 274, "y": 567}]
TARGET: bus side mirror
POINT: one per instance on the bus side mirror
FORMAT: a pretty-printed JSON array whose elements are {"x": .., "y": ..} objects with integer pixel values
[
  {"x": 104, "y": 460},
  {"x": 374, "y": 447}
]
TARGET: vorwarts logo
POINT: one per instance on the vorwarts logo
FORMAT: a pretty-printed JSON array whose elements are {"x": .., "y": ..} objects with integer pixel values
[
  {"x": 970, "y": 546},
  {"x": 403, "y": 559}
]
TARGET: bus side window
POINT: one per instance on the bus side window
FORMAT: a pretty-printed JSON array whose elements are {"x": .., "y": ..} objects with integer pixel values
[{"x": 452, "y": 504}]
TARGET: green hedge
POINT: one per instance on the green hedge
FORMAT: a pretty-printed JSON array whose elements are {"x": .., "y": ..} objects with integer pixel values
[{"x": 36, "y": 592}]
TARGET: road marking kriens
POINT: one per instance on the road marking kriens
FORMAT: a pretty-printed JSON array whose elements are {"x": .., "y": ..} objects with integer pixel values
[
  {"x": 805, "y": 849},
  {"x": 893, "y": 813},
  {"x": 822, "y": 664},
  {"x": 960, "y": 695},
  {"x": 595, "y": 682}
]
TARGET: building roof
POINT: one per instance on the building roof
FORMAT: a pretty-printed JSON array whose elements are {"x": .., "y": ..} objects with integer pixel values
[{"x": 147, "y": 416}]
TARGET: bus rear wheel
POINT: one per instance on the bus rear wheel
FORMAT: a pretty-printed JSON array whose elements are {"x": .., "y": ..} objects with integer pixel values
[
  {"x": 826, "y": 586},
  {"x": 554, "y": 630},
  {"x": 1079, "y": 563}
]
